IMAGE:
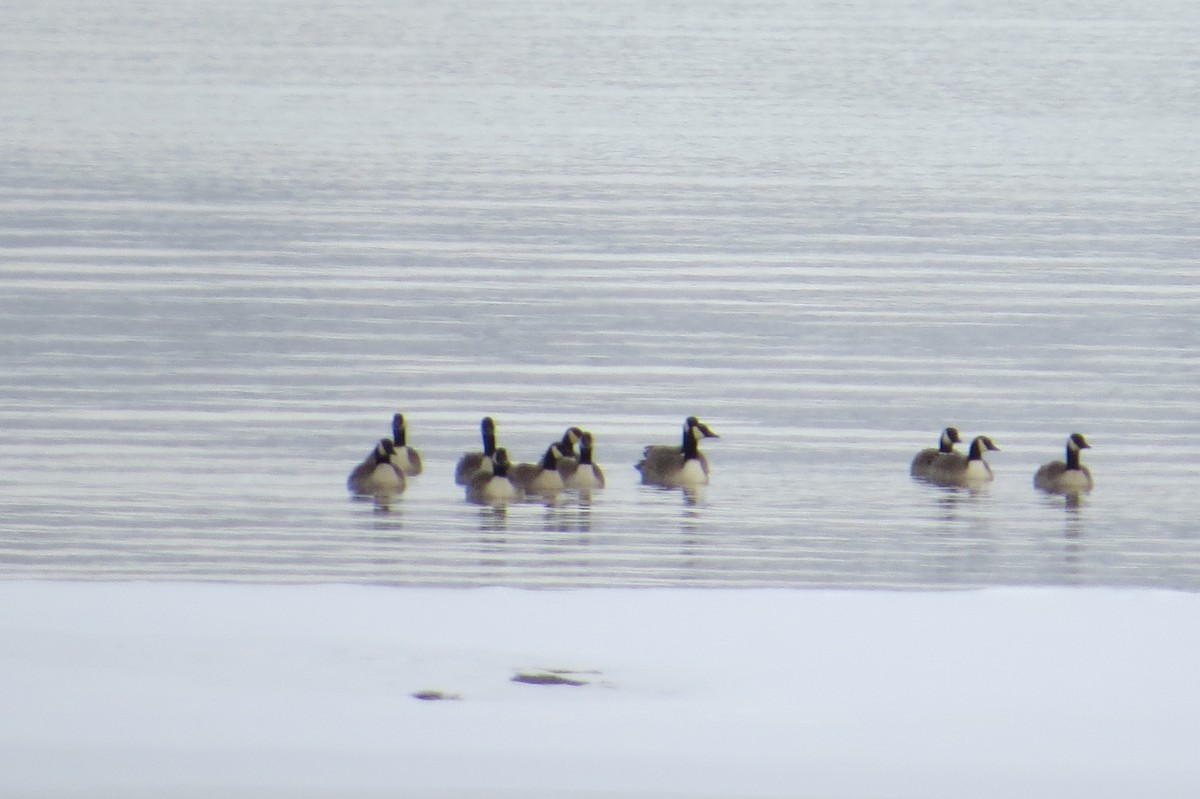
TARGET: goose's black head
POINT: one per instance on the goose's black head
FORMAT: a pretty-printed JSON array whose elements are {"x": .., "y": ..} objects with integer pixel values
[
  {"x": 950, "y": 437},
  {"x": 981, "y": 443},
  {"x": 692, "y": 423},
  {"x": 567, "y": 445},
  {"x": 500, "y": 463},
  {"x": 384, "y": 451},
  {"x": 1075, "y": 443},
  {"x": 488, "y": 428},
  {"x": 550, "y": 459},
  {"x": 692, "y": 438}
]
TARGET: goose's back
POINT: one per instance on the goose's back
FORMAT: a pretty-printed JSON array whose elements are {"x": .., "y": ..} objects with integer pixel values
[
  {"x": 470, "y": 464},
  {"x": 923, "y": 461}
]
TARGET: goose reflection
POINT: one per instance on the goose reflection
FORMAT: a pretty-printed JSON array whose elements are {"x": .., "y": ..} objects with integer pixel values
[
  {"x": 952, "y": 500},
  {"x": 493, "y": 519},
  {"x": 381, "y": 504},
  {"x": 581, "y": 498},
  {"x": 568, "y": 520},
  {"x": 1073, "y": 546},
  {"x": 1073, "y": 521},
  {"x": 1072, "y": 505},
  {"x": 385, "y": 516},
  {"x": 692, "y": 496}
]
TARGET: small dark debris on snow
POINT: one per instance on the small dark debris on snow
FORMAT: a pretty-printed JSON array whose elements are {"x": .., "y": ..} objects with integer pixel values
[
  {"x": 547, "y": 678},
  {"x": 433, "y": 696}
]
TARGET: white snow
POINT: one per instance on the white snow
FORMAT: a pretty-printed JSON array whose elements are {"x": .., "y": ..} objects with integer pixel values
[{"x": 150, "y": 689}]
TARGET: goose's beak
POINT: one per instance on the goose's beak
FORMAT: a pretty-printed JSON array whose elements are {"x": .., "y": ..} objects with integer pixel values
[{"x": 708, "y": 433}]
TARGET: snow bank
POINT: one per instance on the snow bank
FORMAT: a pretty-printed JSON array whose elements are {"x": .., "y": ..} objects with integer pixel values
[{"x": 137, "y": 689}]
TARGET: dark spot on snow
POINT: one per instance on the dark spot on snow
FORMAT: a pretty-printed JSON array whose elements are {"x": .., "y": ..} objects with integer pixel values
[
  {"x": 548, "y": 678},
  {"x": 433, "y": 696}
]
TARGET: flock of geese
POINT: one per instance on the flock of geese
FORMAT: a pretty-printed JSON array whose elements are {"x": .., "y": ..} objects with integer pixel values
[
  {"x": 945, "y": 466},
  {"x": 489, "y": 478}
]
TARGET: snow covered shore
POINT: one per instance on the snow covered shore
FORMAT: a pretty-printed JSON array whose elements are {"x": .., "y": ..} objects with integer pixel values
[{"x": 126, "y": 689}]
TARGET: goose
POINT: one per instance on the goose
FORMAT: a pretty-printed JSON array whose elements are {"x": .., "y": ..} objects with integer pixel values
[
  {"x": 540, "y": 478},
  {"x": 378, "y": 474},
  {"x": 587, "y": 476},
  {"x": 567, "y": 459},
  {"x": 1071, "y": 477},
  {"x": 407, "y": 459},
  {"x": 925, "y": 459},
  {"x": 493, "y": 486},
  {"x": 472, "y": 462},
  {"x": 678, "y": 467},
  {"x": 956, "y": 469}
]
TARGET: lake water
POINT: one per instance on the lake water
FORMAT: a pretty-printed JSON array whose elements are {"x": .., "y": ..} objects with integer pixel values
[{"x": 236, "y": 237}]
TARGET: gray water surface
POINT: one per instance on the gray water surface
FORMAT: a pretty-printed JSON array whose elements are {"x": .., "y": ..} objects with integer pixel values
[{"x": 236, "y": 237}]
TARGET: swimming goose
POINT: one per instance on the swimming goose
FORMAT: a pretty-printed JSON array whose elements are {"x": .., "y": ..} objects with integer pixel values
[
  {"x": 540, "y": 478},
  {"x": 924, "y": 460},
  {"x": 678, "y": 467},
  {"x": 955, "y": 469},
  {"x": 473, "y": 462},
  {"x": 492, "y": 486},
  {"x": 407, "y": 459},
  {"x": 378, "y": 474},
  {"x": 567, "y": 459},
  {"x": 587, "y": 475},
  {"x": 1071, "y": 477}
]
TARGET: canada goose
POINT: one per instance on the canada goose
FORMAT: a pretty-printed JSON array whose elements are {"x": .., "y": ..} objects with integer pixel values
[
  {"x": 567, "y": 459},
  {"x": 956, "y": 469},
  {"x": 492, "y": 486},
  {"x": 924, "y": 460},
  {"x": 407, "y": 459},
  {"x": 472, "y": 462},
  {"x": 378, "y": 474},
  {"x": 678, "y": 467},
  {"x": 587, "y": 476},
  {"x": 540, "y": 478},
  {"x": 1071, "y": 477}
]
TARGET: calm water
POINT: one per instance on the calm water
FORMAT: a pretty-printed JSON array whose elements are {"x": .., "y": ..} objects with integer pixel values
[{"x": 235, "y": 237}]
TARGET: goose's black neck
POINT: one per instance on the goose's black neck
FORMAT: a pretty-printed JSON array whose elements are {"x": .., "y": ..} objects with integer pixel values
[
  {"x": 691, "y": 447},
  {"x": 550, "y": 459},
  {"x": 1072, "y": 457}
]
